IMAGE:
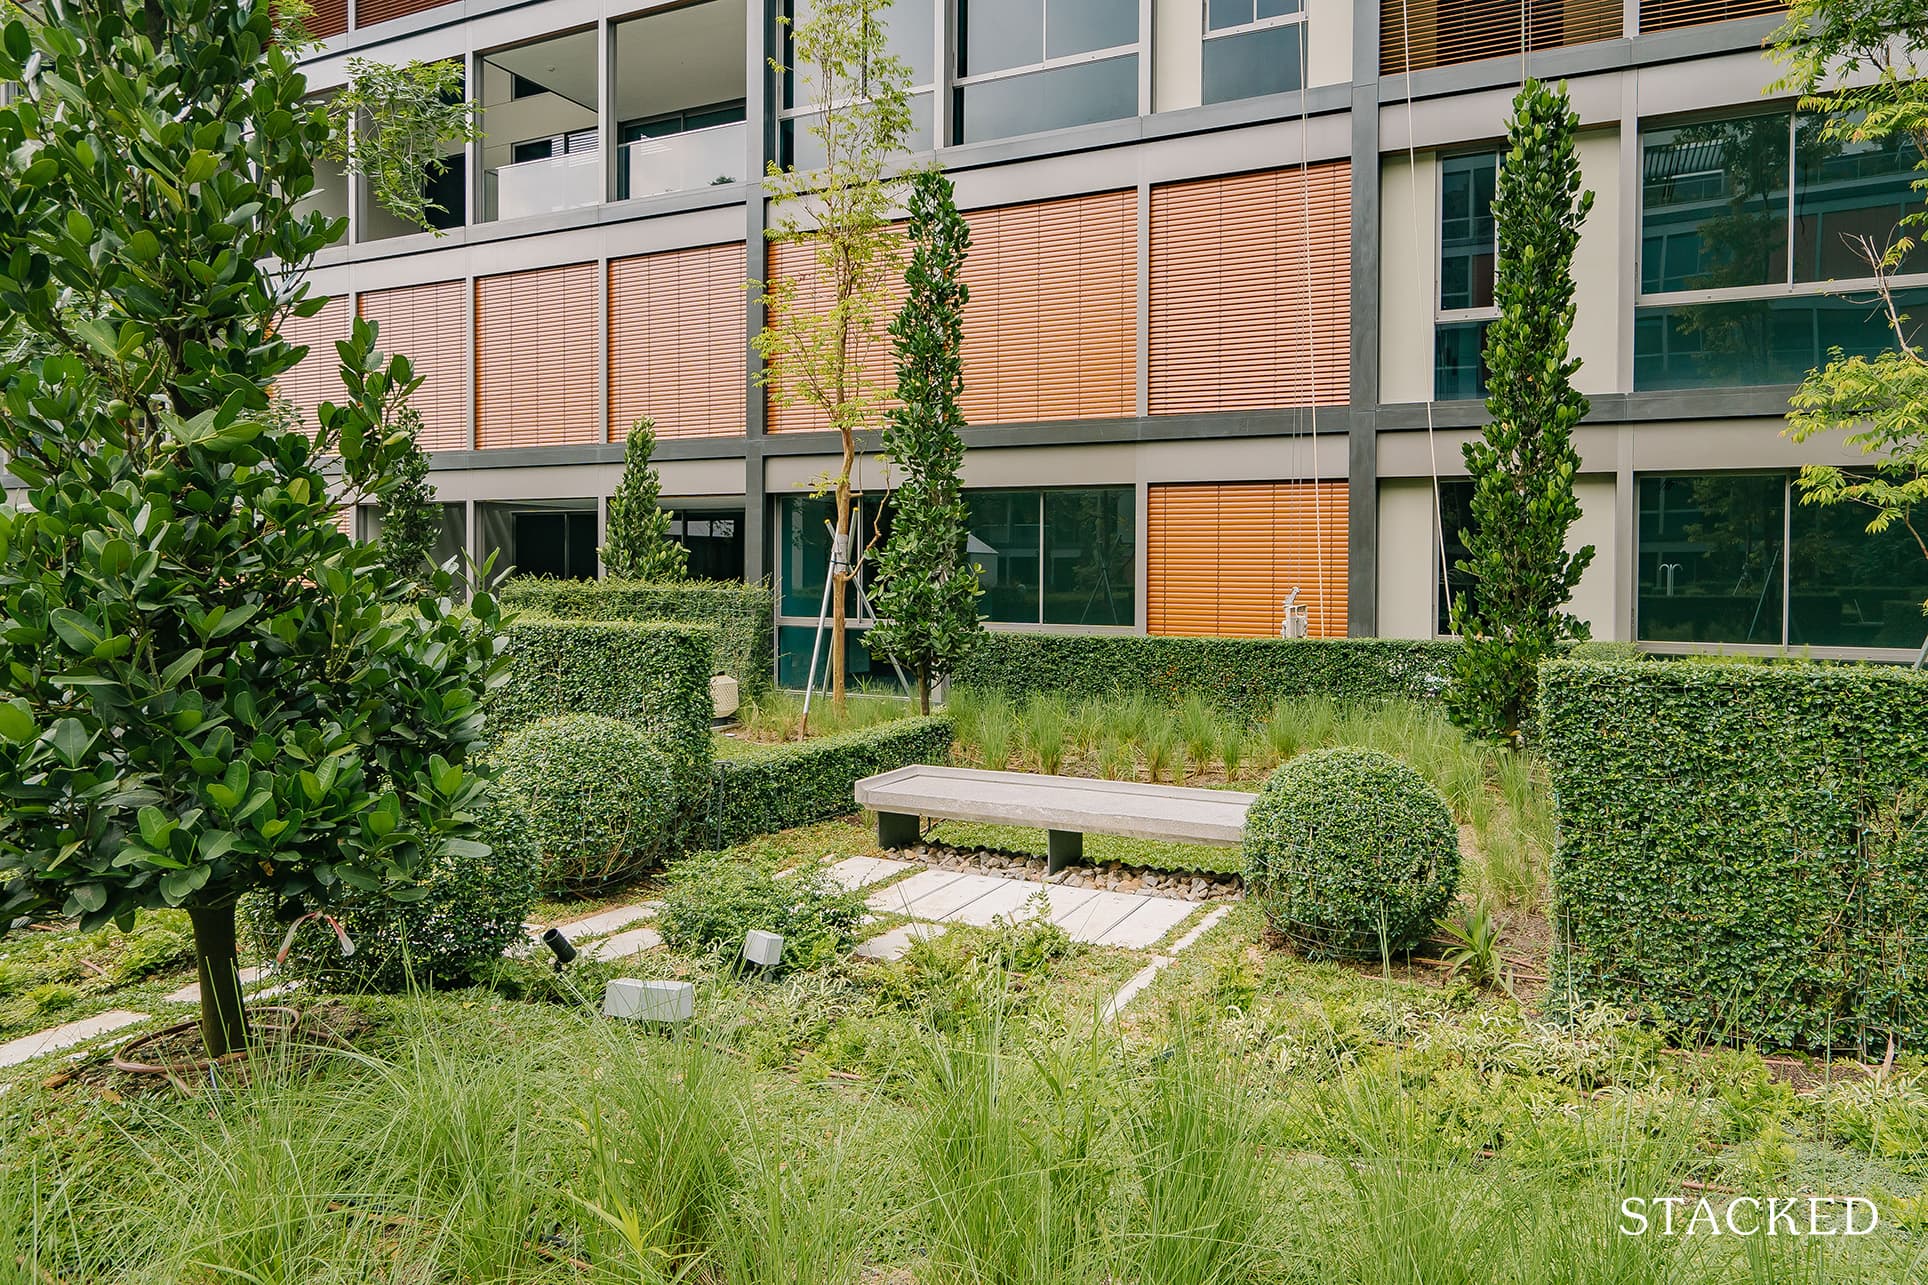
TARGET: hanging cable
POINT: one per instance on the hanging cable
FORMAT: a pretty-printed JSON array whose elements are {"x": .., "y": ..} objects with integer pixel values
[{"x": 1311, "y": 339}]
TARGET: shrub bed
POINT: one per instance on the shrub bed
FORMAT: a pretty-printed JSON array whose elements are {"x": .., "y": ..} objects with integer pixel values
[
  {"x": 1244, "y": 674},
  {"x": 654, "y": 676},
  {"x": 600, "y": 798},
  {"x": 1743, "y": 849},
  {"x": 471, "y": 909},
  {"x": 740, "y": 614},
  {"x": 714, "y": 899},
  {"x": 800, "y": 784},
  {"x": 1351, "y": 852}
]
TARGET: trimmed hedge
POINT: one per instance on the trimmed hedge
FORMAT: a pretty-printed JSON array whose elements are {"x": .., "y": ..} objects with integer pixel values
[
  {"x": 656, "y": 676},
  {"x": 1743, "y": 849},
  {"x": 740, "y": 613},
  {"x": 600, "y": 799},
  {"x": 800, "y": 784},
  {"x": 1244, "y": 674},
  {"x": 1351, "y": 852}
]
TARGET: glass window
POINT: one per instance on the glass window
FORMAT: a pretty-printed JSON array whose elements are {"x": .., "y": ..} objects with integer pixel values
[
  {"x": 1849, "y": 587},
  {"x": 1459, "y": 360},
  {"x": 715, "y": 541},
  {"x": 1079, "y": 94},
  {"x": 1455, "y": 519},
  {"x": 1466, "y": 248},
  {"x": 1005, "y": 545},
  {"x": 997, "y": 35},
  {"x": 1711, "y": 560},
  {"x": 1844, "y": 192},
  {"x": 1090, "y": 556},
  {"x": 802, "y": 542},
  {"x": 1714, "y": 210},
  {"x": 1247, "y": 64},
  {"x": 1086, "y": 26},
  {"x": 801, "y": 149},
  {"x": 1762, "y": 341}
]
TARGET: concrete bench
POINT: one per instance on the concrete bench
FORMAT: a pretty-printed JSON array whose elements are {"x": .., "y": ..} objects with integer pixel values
[{"x": 1067, "y": 807}]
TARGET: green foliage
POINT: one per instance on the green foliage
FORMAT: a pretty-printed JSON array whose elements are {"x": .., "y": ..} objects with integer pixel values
[
  {"x": 1474, "y": 945},
  {"x": 411, "y": 519},
  {"x": 927, "y": 587},
  {"x": 206, "y": 690},
  {"x": 472, "y": 910},
  {"x": 405, "y": 121},
  {"x": 1351, "y": 852},
  {"x": 797, "y": 784},
  {"x": 1241, "y": 674},
  {"x": 1513, "y": 613},
  {"x": 640, "y": 547},
  {"x": 713, "y": 899},
  {"x": 1829, "y": 47},
  {"x": 1741, "y": 847},
  {"x": 740, "y": 614},
  {"x": 653, "y": 676},
  {"x": 818, "y": 331},
  {"x": 600, "y": 798}
]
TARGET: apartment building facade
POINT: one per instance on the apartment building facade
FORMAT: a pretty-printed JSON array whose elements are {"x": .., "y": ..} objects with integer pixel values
[{"x": 1231, "y": 264}]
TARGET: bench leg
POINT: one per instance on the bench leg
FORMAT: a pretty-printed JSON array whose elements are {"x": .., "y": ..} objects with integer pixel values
[
  {"x": 897, "y": 830},
  {"x": 1067, "y": 849}
]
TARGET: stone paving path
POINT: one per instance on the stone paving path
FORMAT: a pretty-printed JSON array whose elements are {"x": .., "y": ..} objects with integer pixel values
[{"x": 17, "y": 1051}]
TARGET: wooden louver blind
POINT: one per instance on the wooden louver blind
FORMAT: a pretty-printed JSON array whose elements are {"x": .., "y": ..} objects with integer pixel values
[
  {"x": 1666, "y": 15},
  {"x": 536, "y": 359},
  {"x": 1221, "y": 558},
  {"x": 370, "y": 12},
  {"x": 676, "y": 324},
  {"x": 317, "y": 378},
  {"x": 1251, "y": 280},
  {"x": 1418, "y": 34},
  {"x": 796, "y": 261},
  {"x": 326, "y": 18},
  {"x": 1049, "y": 332},
  {"x": 429, "y": 324}
]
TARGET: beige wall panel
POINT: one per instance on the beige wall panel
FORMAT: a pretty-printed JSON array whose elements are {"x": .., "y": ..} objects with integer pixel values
[
  {"x": 1408, "y": 278},
  {"x": 1177, "y": 68},
  {"x": 1407, "y": 573},
  {"x": 1328, "y": 51},
  {"x": 1597, "y": 267}
]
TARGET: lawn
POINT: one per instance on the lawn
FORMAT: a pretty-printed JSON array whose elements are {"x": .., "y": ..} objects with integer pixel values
[{"x": 958, "y": 1116}]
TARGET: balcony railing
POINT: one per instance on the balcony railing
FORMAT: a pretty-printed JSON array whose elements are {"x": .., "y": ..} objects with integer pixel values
[
  {"x": 545, "y": 186},
  {"x": 680, "y": 162}
]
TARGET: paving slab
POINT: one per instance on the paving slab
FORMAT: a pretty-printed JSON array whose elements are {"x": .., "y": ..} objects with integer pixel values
[
  {"x": 895, "y": 943},
  {"x": 941, "y": 903},
  {"x": 17, "y": 1051},
  {"x": 191, "y": 993},
  {"x": 607, "y": 921},
  {"x": 897, "y": 898},
  {"x": 1008, "y": 902},
  {"x": 623, "y": 945},
  {"x": 859, "y": 872},
  {"x": 1092, "y": 919},
  {"x": 1148, "y": 923}
]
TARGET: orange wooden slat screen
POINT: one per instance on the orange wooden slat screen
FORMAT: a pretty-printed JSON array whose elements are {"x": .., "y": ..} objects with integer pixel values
[
  {"x": 1049, "y": 332},
  {"x": 795, "y": 260},
  {"x": 1049, "y": 329},
  {"x": 676, "y": 327},
  {"x": 370, "y": 12},
  {"x": 326, "y": 18},
  {"x": 1251, "y": 291},
  {"x": 1666, "y": 15},
  {"x": 1221, "y": 557},
  {"x": 317, "y": 378},
  {"x": 1439, "y": 33},
  {"x": 430, "y": 325},
  {"x": 536, "y": 363}
]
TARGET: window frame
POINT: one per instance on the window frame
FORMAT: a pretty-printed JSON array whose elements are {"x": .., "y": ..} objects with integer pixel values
[
  {"x": 1297, "y": 19},
  {"x": 790, "y": 114},
  {"x": 1443, "y": 316}
]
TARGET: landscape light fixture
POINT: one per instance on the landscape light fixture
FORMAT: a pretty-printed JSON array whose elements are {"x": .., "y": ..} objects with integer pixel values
[
  {"x": 559, "y": 946},
  {"x": 763, "y": 949}
]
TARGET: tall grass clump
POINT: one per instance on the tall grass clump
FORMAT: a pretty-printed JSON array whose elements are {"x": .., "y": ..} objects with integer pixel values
[
  {"x": 1231, "y": 745},
  {"x": 1047, "y": 727},
  {"x": 997, "y": 732},
  {"x": 1198, "y": 725}
]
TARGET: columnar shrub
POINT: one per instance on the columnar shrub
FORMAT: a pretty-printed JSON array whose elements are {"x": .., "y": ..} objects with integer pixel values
[
  {"x": 472, "y": 909},
  {"x": 1351, "y": 852},
  {"x": 599, "y": 795}
]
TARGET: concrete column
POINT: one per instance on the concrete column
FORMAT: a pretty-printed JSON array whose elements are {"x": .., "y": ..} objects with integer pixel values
[{"x": 1362, "y": 449}]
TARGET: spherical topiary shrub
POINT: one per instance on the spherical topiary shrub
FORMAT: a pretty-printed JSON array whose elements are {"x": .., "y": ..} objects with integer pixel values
[
  {"x": 471, "y": 910},
  {"x": 1351, "y": 852},
  {"x": 600, "y": 798}
]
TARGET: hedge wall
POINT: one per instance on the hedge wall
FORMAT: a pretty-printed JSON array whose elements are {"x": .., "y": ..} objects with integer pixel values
[
  {"x": 1242, "y": 673},
  {"x": 1743, "y": 849},
  {"x": 740, "y": 613},
  {"x": 801, "y": 784},
  {"x": 656, "y": 676}
]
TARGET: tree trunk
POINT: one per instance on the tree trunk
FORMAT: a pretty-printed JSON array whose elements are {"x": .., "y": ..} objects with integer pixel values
[
  {"x": 224, "y": 1022},
  {"x": 840, "y": 580},
  {"x": 924, "y": 689}
]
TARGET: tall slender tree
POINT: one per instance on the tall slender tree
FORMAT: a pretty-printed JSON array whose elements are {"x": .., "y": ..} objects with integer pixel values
[
  {"x": 202, "y": 688},
  {"x": 1512, "y": 613},
  {"x": 639, "y": 546},
  {"x": 411, "y": 517},
  {"x": 818, "y": 334},
  {"x": 927, "y": 586}
]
